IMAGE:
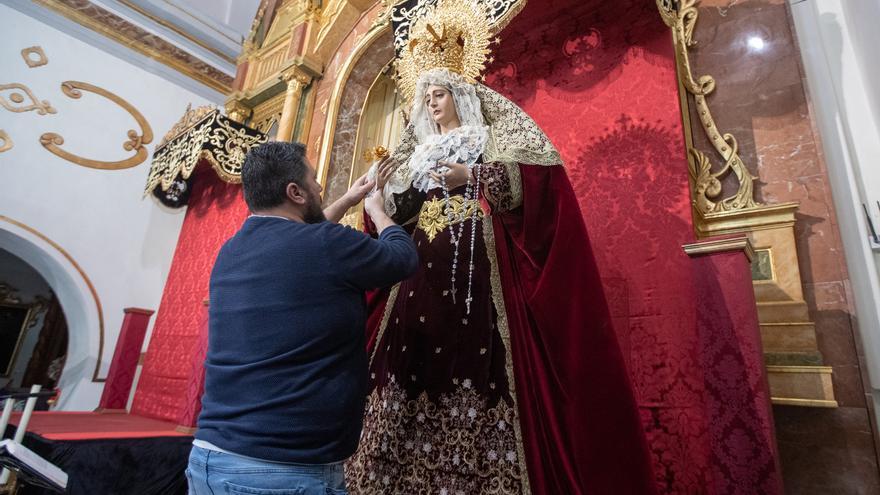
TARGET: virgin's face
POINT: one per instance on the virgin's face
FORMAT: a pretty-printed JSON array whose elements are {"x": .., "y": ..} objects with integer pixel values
[{"x": 441, "y": 106}]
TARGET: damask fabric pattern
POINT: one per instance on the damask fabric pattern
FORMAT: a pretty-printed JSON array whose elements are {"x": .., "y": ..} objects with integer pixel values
[
  {"x": 117, "y": 388},
  {"x": 215, "y": 212},
  {"x": 501, "y": 185},
  {"x": 600, "y": 81}
]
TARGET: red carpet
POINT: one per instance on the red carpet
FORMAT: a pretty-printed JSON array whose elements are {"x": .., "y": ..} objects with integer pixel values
[{"x": 63, "y": 425}]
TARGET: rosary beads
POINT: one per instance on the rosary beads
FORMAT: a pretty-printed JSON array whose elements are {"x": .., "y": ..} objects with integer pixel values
[{"x": 471, "y": 199}]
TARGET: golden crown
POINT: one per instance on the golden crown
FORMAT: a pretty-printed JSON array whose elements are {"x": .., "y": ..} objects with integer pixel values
[{"x": 453, "y": 35}]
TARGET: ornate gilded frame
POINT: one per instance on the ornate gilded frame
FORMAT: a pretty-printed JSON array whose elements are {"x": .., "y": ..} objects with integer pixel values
[{"x": 707, "y": 191}]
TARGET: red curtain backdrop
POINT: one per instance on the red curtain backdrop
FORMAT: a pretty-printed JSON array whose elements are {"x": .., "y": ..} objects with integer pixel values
[
  {"x": 215, "y": 212},
  {"x": 117, "y": 388},
  {"x": 599, "y": 78}
]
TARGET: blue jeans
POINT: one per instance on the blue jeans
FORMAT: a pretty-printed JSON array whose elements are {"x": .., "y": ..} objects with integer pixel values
[{"x": 217, "y": 473}]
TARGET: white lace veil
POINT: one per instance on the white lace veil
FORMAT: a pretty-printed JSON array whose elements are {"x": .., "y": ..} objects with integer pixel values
[
  {"x": 422, "y": 125},
  {"x": 513, "y": 136}
]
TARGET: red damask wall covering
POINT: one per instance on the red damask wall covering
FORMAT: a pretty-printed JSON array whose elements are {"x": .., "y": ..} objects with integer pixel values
[
  {"x": 599, "y": 78},
  {"x": 216, "y": 211}
]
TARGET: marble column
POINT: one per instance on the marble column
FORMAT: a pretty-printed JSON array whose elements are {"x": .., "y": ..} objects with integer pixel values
[{"x": 296, "y": 82}]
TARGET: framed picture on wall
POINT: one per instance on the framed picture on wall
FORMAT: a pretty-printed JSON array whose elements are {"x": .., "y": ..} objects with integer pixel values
[{"x": 14, "y": 319}]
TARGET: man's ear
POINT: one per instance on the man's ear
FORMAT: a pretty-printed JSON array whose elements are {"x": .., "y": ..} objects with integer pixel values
[{"x": 295, "y": 193}]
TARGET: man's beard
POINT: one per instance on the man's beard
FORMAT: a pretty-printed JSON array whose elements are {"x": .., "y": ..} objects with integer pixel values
[{"x": 314, "y": 213}]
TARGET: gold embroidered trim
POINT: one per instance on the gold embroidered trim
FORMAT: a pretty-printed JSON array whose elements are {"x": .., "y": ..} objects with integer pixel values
[
  {"x": 359, "y": 471},
  {"x": 438, "y": 214},
  {"x": 455, "y": 444},
  {"x": 214, "y": 139},
  {"x": 191, "y": 117},
  {"x": 504, "y": 330},
  {"x": 515, "y": 177},
  {"x": 389, "y": 305}
]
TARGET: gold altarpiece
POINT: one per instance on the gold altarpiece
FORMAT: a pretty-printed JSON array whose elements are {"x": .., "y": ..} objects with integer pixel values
[{"x": 380, "y": 124}]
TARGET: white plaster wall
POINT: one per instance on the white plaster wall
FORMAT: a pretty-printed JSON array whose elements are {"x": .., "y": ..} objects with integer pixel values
[
  {"x": 862, "y": 17},
  {"x": 839, "y": 41},
  {"x": 123, "y": 243}
]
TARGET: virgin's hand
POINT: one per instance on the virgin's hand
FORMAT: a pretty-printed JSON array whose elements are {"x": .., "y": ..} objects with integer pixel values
[
  {"x": 457, "y": 174},
  {"x": 384, "y": 171}
]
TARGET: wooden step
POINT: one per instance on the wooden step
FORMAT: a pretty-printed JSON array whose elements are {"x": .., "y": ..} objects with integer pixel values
[{"x": 808, "y": 386}]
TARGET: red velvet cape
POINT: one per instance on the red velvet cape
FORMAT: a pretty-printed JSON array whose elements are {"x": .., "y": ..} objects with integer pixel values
[{"x": 578, "y": 416}]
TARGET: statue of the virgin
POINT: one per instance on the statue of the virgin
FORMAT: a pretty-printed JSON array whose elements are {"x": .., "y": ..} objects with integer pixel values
[{"x": 495, "y": 368}]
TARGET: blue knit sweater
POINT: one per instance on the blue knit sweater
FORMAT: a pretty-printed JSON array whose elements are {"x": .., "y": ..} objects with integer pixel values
[{"x": 285, "y": 373}]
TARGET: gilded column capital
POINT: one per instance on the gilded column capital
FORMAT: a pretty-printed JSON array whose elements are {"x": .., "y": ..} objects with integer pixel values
[
  {"x": 236, "y": 110},
  {"x": 295, "y": 80},
  {"x": 313, "y": 13}
]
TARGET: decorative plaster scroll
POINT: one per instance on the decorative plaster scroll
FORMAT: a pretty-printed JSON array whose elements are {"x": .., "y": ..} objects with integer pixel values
[
  {"x": 28, "y": 55},
  {"x": 6, "y": 143},
  {"x": 16, "y": 102},
  {"x": 52, "y": 141}
]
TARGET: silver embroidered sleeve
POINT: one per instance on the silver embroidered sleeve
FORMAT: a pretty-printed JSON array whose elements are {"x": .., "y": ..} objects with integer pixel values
[{"x": 502, "y": 185}]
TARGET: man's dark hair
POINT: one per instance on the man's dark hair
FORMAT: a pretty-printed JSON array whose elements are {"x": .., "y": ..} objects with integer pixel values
[{"x": 268, "y": 169}]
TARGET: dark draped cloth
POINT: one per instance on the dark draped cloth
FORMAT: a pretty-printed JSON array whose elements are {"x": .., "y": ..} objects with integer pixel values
[
  {"x": 116, "y": 466},
  {"x": 443, "y": 407}
]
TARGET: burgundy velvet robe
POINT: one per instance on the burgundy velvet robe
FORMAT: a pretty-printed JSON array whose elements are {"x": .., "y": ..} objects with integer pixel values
[{"x": 578, "y": 425}]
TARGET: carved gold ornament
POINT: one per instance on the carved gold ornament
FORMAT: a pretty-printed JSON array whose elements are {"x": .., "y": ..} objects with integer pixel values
[
  {"x": 18, "y": 93},
  {"x": 6, "y": 143},
  {"x": 237, "y": 110},
  {"x": 52, "y": 141},
  {"x": 375, "y": 153},
  {"x": 438, "y": 214},
  {"x": 681, "y": 17},
  {"x": 34, "y": 56}
]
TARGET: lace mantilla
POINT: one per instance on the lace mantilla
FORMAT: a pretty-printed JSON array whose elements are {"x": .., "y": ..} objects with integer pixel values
[
  {"x": 516, "y": 138},
  {"x": 513, "y": 138}
]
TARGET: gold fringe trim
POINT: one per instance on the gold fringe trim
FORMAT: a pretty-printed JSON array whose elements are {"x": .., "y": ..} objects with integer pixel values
[
  {"x": 389, "y": 305},
  {"x": 504, "y": 330}
]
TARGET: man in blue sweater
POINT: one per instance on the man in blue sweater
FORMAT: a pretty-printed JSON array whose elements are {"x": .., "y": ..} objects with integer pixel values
[{"x": 285, "y": 373}]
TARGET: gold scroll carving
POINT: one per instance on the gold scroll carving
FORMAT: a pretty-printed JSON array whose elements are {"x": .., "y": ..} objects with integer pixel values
[{"x": 681, "y": 17}]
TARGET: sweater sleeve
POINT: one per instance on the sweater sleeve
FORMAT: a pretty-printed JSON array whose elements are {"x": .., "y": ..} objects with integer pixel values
[{"x": 368, "y": 263}]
